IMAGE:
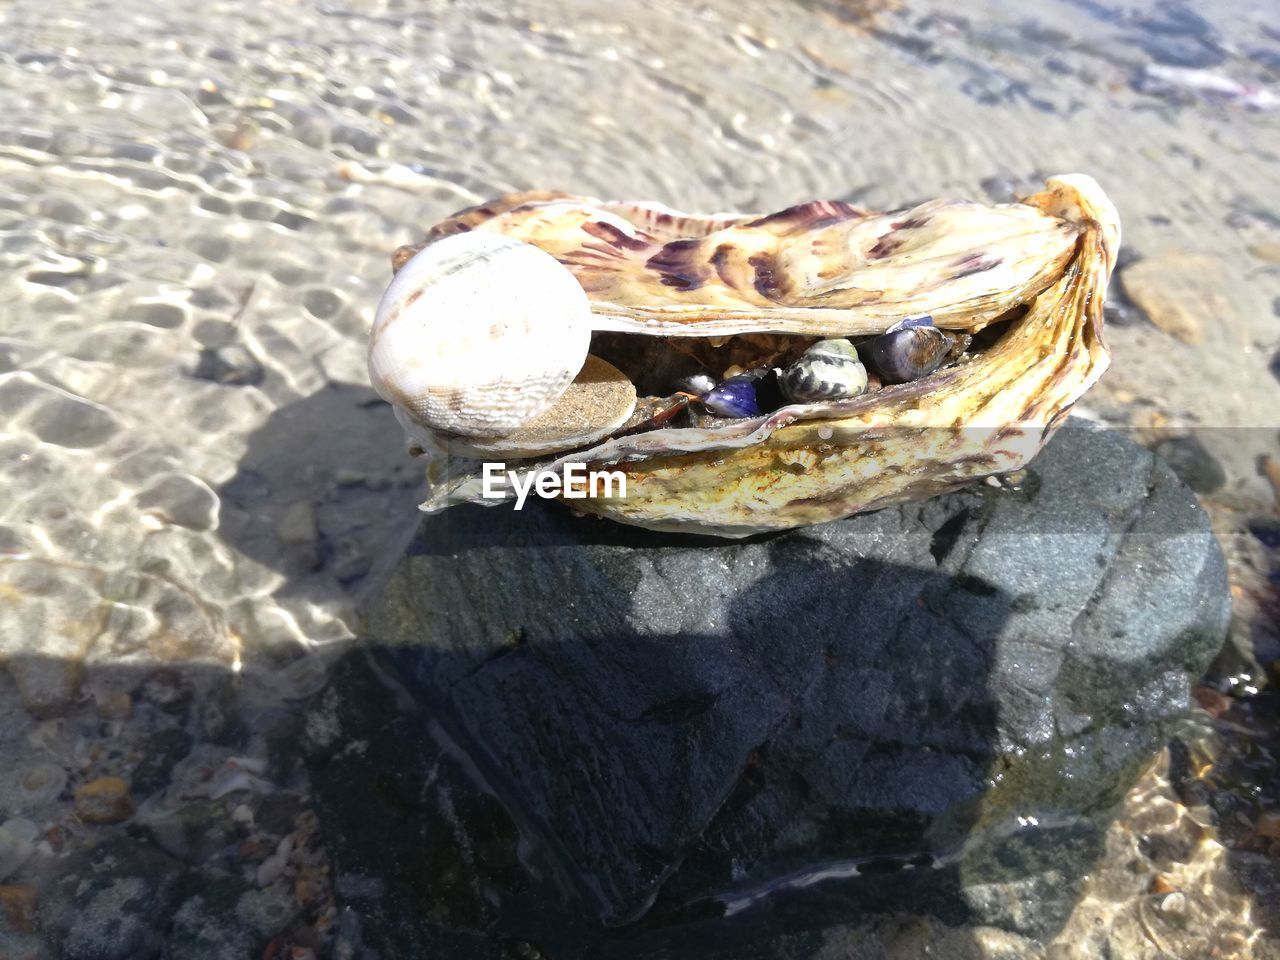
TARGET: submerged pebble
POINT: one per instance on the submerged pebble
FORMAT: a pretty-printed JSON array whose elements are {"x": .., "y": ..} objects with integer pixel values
[
  {"x": 1267, "y": 531},
  {"x": 70, "y": 422},
  {"x": 180, "y": 499},
  {"x": 18, "y": 910},
  {"x": 17, "y": 844},
  {"x": 46, "y": 685},
  {"x": 1196, "y": 466},
  {"x": 38, "y": 785},
  {"x": 105, "y": 800},
  {"x": 232, "y": 365}
]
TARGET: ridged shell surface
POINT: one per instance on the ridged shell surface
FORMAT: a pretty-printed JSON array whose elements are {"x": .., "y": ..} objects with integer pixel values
[
  {"x": 809, "y": 463},
  {"x": 822, "y": 268},
  {"x": 478, "y": 334}
]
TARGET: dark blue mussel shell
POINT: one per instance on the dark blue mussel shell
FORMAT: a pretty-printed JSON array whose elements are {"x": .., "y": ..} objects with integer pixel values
[
  {"x": 909, "y": 350},
  {"x": 746, "y": 395},
  {"x": 736, "y": 397}
]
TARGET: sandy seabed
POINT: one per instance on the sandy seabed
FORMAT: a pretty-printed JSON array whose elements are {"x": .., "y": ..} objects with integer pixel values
[{"x": 197, "y": 208}]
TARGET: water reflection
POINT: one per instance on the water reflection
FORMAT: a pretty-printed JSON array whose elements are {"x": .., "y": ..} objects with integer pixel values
[{"x": 157, "y": 161}]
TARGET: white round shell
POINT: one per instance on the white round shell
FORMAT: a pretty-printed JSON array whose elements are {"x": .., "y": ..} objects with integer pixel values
[{"x": 478, "y": 334}]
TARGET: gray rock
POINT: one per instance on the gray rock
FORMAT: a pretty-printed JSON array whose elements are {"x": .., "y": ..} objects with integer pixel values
[
  {"x": 267, "y": 912},
  {"x": 593, "y": 740},
  {"x": 209, "y": 925}
]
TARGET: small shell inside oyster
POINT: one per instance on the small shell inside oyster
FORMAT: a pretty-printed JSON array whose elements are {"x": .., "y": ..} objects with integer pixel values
[
  {"x": 828, "y": 370},
  {"x": 909, "y": 350},
  {"x": 478, "y": 335},
  {"x": 600, "y": 399}
]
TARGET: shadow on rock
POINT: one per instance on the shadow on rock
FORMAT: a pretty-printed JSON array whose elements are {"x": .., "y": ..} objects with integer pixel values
[
  {"x": 556, "y": 770},
  {"x": 324, "y": 491},
  {"x": 587, "y": 741}
]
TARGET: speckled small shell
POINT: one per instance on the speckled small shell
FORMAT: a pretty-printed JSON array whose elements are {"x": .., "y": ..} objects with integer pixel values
[
  {"x": 826, "y": 269},
  {"x": 828, "y": 370},
  {"x": 478, "y": 334}
]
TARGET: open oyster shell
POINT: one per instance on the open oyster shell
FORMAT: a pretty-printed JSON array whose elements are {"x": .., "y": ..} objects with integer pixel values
[{"x": 1036, "y": 272}]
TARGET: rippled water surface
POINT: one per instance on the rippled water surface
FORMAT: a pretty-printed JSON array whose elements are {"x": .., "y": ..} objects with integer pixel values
[{"x": 198, "y": 203}]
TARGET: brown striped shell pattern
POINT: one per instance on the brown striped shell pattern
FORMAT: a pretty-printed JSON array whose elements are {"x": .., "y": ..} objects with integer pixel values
[{"x": 745, "y": 372}]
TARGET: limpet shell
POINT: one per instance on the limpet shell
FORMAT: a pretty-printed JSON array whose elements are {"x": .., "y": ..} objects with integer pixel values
[{"x": 478, "y": 335}]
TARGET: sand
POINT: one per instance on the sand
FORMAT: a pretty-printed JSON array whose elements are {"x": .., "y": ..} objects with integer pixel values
[{"x": 198, "y": 203}]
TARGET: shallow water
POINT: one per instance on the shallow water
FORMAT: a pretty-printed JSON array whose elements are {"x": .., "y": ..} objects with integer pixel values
[{"x": 198, "y": 203}]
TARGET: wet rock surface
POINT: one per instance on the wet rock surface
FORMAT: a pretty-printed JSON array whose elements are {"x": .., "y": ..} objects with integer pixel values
[{"x": 570, "y": 738}]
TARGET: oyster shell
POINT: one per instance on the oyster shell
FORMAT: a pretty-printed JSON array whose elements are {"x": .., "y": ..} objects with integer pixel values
[
  {"x": 820, "y": 268},
  {"x": 1036, "y": 270}
]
